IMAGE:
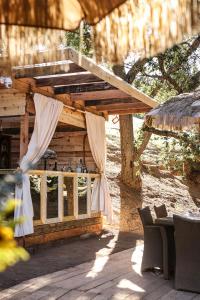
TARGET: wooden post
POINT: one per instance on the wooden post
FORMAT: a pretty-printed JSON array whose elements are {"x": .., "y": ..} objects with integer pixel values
[{"x": 24, "y": 132}]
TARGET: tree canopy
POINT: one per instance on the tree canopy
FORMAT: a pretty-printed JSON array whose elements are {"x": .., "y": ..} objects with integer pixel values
[{"x": 173, "y": 72}]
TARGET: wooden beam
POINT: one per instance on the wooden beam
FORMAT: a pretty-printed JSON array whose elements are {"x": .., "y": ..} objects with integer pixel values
[
  {"x": 74, "y": 118},
  {"x": 24, "y": 132},
  {"x": 63, "y": 79},
  {"x": 122, "y": 106},
  {"x": 99, "y": 95},
  {"x": 60, "y": 67},
  {"x": 111, "y": 101},
  {"x": 128, "y": 111},
  {"x": 68, "y": 116},
  {"x": 84, "y": 87},
  {"x": 46, "y": 91},
  {"x": 28, "y": 85},
  {"x": 109, "y": 77}
]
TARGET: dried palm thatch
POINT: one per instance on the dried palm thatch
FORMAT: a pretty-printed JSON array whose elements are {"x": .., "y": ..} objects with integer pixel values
[
  {"x": 179, "y": 113},
  {"x": 120, "y": 26},
  {"x": 33, "y": 31},
  {"x": 146, "y": 26}
]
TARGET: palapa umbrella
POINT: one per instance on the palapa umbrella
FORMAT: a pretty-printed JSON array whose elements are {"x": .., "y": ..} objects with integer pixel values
[
  {"x": 179, "y": 113},
  {"x": 29, "y": 27}
]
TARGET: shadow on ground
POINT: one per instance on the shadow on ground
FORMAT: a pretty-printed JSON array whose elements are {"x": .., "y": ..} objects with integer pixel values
[{"x": 65, "y": 254}]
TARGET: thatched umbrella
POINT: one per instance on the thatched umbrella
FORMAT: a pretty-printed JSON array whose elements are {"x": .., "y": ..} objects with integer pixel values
[
  {"x": 177, "y": 114},
  {"x": 120, "y": 26}
]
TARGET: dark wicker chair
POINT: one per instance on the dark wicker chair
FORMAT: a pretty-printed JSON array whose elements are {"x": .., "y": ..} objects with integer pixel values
[
  {"x": 167, "y": 233},
  {"x": 153, "y": 244},
  {"x": 161, "y": 211},
  {"x": 187, "y": 243}
]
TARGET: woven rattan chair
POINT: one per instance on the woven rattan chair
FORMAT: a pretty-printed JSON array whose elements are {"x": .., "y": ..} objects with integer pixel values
[
  {"x": 161, "y": 211},
  {"x": 167, "y": 233},
  {"x": 187, "y": 243},
  {"x": 153, "y": 244}
]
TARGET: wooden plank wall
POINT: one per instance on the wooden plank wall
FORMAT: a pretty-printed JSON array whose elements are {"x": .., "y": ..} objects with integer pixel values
[
  {"x": 12, "y": 104},
  {"x": 68, "y": 147}
]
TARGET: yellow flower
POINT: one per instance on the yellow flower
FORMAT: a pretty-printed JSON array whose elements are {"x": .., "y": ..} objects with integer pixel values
[
  {"x": 6, "y": 233},
  {"x": 8, "y": 244}
]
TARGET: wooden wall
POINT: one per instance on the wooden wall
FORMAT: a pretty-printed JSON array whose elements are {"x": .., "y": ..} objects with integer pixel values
[{"x": 68, "y": 145}]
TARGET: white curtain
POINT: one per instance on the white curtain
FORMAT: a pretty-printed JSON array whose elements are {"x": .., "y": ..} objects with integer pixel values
[
  {"x": 97, "y": 140},
  {"x": 47, "y": 115}
]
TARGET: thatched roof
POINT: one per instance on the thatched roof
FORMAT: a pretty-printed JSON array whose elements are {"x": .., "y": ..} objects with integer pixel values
[
  {"x": 29, "y": 27},
  {"x": 178, "y": 113}
]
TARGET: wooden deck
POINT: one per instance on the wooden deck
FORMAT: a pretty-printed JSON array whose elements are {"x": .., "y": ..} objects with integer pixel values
[{"x": 108, "y": 277}]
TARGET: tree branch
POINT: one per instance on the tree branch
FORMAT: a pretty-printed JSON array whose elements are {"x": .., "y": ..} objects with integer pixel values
[
  {"x": 166, "y": 76},
  {"x": 165, "y": 133},
  {"x": 191, "y": 49},
  {"x": 135, "y": 69}
]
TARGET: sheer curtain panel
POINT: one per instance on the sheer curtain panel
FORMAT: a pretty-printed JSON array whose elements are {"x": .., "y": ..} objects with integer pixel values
[
  {"x": 47, "y": 115},
  {"x": 97, "y": 140}
]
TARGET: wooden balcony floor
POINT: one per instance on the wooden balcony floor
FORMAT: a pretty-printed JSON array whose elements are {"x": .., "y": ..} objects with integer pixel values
[{"x": 107, "y": 277}]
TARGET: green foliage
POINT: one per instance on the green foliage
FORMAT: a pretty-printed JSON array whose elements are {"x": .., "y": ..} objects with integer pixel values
[
  {"x": 175, "y": 71},
  {"x": 174, "y": 153},
  {"x": 81, "y": 43}
]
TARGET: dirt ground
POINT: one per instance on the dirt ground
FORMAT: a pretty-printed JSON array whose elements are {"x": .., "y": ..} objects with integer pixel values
[{"x": 158, "y": 186}]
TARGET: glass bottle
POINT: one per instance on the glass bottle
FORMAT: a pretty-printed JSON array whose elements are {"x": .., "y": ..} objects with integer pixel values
[
  {"x": 55, "y": 168},
  {"x": 79, "y": 167},
  {"x": 68, "y": 167}
]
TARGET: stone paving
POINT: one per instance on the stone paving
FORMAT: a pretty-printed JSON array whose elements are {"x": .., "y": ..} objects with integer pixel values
[{"x": 115, "y": 276}]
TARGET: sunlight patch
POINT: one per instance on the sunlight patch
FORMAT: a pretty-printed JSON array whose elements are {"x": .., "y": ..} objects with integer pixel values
[
  {"x": 136, "y": 259},
  {"x": 127, "y": 284}
]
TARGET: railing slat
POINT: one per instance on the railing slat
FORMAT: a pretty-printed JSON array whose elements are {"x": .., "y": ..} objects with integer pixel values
[
  {"x": 89, "y": 196},
  {"x": 60, "y": 198},
  {"x": 75, "y": 188},
  {"x": 43, "y": 198}
]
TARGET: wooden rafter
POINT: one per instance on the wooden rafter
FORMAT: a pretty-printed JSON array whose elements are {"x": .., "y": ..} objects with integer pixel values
[
  {"x": 109, "y": 77},
  {"x": 128, "y": 111},
  {"x": 62, "y": 79},
  {"x": 84, "y": 87},
  {"x": 121, "y": 106},
  {"x": 99, "y": 95},
  {"x": 61, "y": 67},
  {"x": 112, "y": 102}
]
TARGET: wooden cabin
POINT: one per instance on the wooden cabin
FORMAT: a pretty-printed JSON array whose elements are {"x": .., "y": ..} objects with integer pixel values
[{"x": 61, "y": 193}]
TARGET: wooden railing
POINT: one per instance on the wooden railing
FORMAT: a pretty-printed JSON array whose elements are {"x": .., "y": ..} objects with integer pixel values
[{"x": 61, "y": 195}]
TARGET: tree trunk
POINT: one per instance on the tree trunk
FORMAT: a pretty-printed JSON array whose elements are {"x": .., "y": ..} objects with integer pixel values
[
  {"x": 130, "y": 157},
  {"x": 127, "y": 149}
]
